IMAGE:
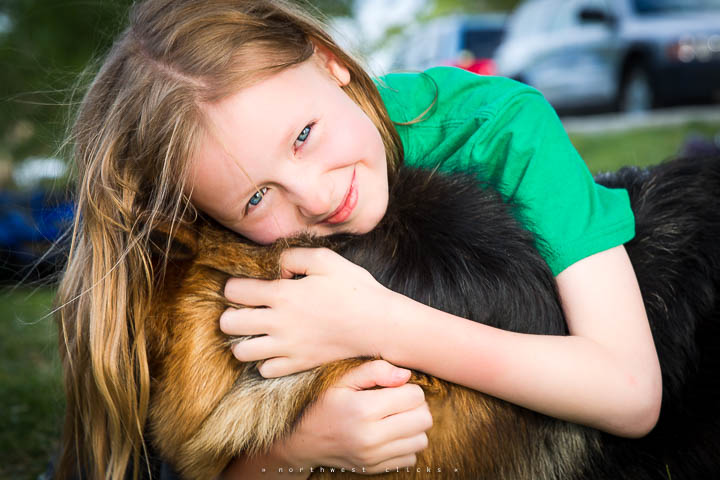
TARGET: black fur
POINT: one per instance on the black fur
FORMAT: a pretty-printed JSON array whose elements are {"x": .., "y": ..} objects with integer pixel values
[
  {"x": 449, "y": 246},
  {"x": 450, "y": 243}
]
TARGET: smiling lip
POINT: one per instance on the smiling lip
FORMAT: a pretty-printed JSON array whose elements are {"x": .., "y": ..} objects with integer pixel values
[{"x": 347, "y": 206}]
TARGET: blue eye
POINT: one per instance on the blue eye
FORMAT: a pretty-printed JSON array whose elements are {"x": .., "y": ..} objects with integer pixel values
[
  {"x": 303, "y": 135},
  {"x": 255, "y": 199}
]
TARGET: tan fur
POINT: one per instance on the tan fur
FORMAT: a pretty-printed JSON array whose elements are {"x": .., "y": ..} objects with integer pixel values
[{"x": 206, "y": 407}]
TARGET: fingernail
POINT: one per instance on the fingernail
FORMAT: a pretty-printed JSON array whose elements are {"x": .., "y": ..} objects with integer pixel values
[
  {"x": 400, "y": 373},
  {"x": 224, "y": 321}
]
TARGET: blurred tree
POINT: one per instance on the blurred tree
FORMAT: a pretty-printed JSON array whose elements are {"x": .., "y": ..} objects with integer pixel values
[
  {"x": 330, "y": 8},
  {"x": 44, "y": 46},
  {"x": 445, "y": 7}
]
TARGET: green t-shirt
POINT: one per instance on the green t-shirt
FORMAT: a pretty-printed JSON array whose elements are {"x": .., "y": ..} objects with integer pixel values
[{"x": 514, "y": 136}]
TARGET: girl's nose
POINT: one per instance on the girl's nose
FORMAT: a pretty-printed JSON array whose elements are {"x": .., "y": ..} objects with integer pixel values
[
  {"x": 315, "y": 204},
  {"x": 313, "y": 197}
]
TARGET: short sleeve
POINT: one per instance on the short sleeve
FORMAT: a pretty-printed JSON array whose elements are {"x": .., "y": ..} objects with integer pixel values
[
  {"x": 510, "y": 133},
  {"x": 532, "y": 162}
]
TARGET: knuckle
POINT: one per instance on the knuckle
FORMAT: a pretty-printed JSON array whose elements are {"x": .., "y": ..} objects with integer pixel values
[
  {"x": 379, "y": 368},
  {"x": 366, "y": 442},
  {"x": 364, "y": 459},
  {"x": 358, "y": 410},
  {"x": 418, "y": 394},
  {"x": 428, "y": 420},
  {"x": 423, "y": 441},
  {"x": 321, "y": 254},
  {"x": 229, "y": 287},
  {"x": 266, "y": 370},
  {"x": 240, "y": 352},
  {"x": 380, "y": 365},
  {"x": 226, "y": 320}
]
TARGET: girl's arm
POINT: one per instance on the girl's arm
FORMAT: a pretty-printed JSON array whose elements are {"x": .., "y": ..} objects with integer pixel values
[{"x": 605, "y": 374}]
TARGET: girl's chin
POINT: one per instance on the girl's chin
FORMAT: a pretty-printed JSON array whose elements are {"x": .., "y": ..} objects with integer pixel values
[{"x": 369, "y": 222}]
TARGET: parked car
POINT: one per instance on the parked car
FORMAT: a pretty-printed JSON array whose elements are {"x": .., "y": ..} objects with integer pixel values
[
  {"x": 31, "y": 224},
  {"x": 463, "y": 41},
  {"x": 630, "y": 55}
]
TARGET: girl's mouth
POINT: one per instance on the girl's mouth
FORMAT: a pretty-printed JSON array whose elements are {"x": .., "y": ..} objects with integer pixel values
[{"x": 347, "y": 206}]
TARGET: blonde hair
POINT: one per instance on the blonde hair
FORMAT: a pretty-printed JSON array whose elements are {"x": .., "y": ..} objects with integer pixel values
[{"x": 136, "y": 129}]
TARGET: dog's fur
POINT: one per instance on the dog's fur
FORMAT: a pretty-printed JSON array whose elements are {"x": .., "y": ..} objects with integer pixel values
[{"x": 449, "y": 243}]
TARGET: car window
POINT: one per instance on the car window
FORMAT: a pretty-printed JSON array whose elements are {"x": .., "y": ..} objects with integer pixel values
[
  {"x": 662, "y": 6},
  {"x": 532, "y": 18},
  {"x": 482, "y": 42}
]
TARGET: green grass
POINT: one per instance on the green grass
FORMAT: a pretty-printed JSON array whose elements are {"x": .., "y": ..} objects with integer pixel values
[
  {"x": 31, "y": 399},
  {"x": 640, "y": 147},
  {"x": 31, "y": 402}
]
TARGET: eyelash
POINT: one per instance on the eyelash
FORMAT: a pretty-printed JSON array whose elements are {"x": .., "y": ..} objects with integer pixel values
[
  {"x": 259, "y": 195},
  {"x": 307, "y": 127}
]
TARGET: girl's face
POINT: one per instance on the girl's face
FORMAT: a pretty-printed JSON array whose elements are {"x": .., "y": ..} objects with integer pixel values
[{"x": 290, "y": 154}]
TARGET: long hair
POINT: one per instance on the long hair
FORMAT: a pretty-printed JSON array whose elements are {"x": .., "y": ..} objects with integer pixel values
[{"x": 134, "y": 134}]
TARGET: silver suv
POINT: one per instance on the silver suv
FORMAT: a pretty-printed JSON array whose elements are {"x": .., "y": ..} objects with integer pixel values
[{"x": 630, "y": 55}]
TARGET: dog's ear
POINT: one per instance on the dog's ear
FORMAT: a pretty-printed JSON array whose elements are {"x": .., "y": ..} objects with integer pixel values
[{"x": 177, "y": 241}]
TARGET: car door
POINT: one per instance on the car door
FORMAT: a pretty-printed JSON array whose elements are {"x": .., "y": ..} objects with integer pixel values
[{"x": 576, "y": 66}]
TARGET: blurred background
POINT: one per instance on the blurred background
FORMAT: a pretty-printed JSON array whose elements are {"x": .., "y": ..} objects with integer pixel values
[{"x": 635, "y": 82}]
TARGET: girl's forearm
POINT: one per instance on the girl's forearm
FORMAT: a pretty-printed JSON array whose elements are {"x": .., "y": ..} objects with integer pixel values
[{"x": 567, "y": 377}]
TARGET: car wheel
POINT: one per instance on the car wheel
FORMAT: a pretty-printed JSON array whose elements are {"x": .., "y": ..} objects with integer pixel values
[{"x": 636, "y": 93}]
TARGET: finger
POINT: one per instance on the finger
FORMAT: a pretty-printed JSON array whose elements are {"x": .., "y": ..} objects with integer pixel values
[
  {"x": 254, "y": 349},
  {"x": 279, "y": 367},
  {"x": 306, "y": 261},
  {"x": 247, "y": 321},
  {"x": 251, "y": 291},
  {"x": 392, "y": 400},
  {"x": 392, "y": 464},
  {"x": 402, "y": 448},
  {"x": 374, "y": 373},
  {"x": 405, "y": 424}
]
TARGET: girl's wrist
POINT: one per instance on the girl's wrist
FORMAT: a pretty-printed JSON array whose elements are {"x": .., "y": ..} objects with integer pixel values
[
  {"x": 287, "y": 454},
  {"x": 394, "y": 327}
]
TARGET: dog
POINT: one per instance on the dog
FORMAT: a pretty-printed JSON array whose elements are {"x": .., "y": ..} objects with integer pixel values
[{"x": 474, "y": 260}]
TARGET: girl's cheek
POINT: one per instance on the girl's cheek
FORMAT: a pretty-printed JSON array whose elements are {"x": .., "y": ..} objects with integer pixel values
[{"x": 272, "y": 227}]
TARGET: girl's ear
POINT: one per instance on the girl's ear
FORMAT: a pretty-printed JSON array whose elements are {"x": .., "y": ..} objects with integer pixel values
[{"x": 333, "y": 66}]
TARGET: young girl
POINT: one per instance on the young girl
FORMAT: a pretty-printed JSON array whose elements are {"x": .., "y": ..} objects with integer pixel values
[{"x": 248, "y": 111}]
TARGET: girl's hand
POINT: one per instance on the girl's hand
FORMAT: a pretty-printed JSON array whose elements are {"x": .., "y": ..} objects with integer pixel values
[
  {"x": 351, "y": 427},
  {"x": 336, "y": 311}
]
